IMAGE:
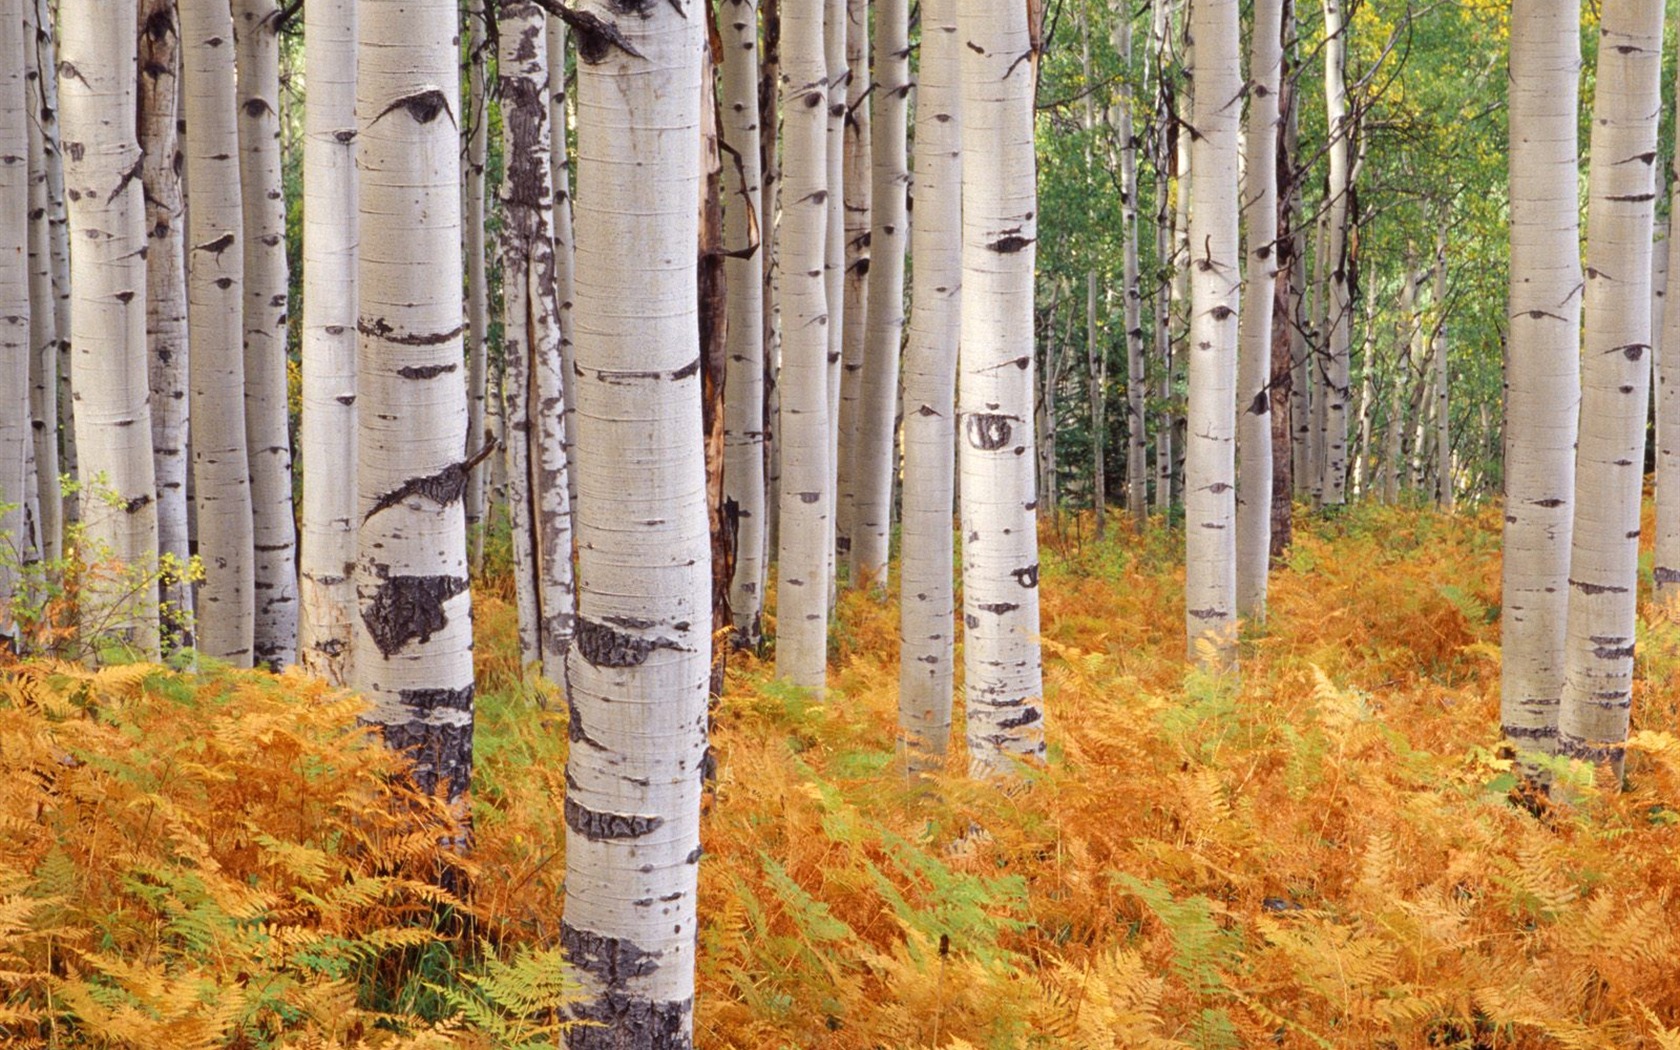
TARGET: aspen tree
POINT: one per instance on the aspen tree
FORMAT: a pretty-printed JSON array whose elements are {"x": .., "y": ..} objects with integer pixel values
[
  {"x": 1444, "y": 496},
  {"x": 108, "y": 308},
  {"x": 1003, "y": 669},
  {"x": 638, "y": 672},
  {"x": 1338, "y": 306},
  {"x": 536, "y": 406},
  {"x": 16, "y": 441},
  {"x": 412, "y": 656},
  {"x": 46, "y": 110},
  {"x": 1137, "y": 377},
  {"x": 483, "y": 394},
  {"x": 1215, "y": 278},
  {"x": 43, "y": 325},
  {"x": 1164, "y": 137},
  {"x": 1254, "y": 354},
  {"x": 1615, "y": 386},
  {"x": 834, "y": 262},
  {"x": 745, "y": 233},
  {"x": 215, "y": 332},
  {"x": 274, "y": 528},
  {"x": 1666, "y": 568},
  {"x": 327, "y": 435},
  {"x": 927, "y": 623},
  {"x": 1542, "y": 369},
  {"x": 857, "y": 201},
  {"x": 166, "y": 296},
  {"x": 873, "y": 443},
  {"x": 1096, "y": 360},
  {"x": 802, "y": 430},
  {"x": 1288, "y": 327},
  {"x": 565, "y": 252}
]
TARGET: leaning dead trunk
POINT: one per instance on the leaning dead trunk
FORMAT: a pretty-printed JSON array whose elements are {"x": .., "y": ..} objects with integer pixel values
[
  {"x": 1002, "y": 664},
  {"x": 1615, "y": 384},
  {"x": 274, "y": 528},
  {"x": 108, "y": 316},
  {"x": 638, "y": 673},
  {"x": 327, "y": 436}
]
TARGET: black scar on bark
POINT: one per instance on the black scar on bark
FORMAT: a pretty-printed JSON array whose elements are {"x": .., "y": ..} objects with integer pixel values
[
  {"x": 423, "y": 106},
  {"x": 988, "y": 432},
  {"x": 605, "y": 646},
  {"x": 595, "y": 35},
  {"x": 442, "y": 754},
  {"x": 1010, "y": 243},
  {"x": 447, "y": 486},
  {"x": 1597, "y": 588},
  {"x": 1027, "y": 577},
  {"x": 1026, "y": 718},
  {"x": 604, "y": 827},
  {"x": 997, "y": 608},
  {"x": 406, "y": 608},
  {"x": 1205, "y": 614},
  {"x": 381, "y": 329},
  {"x": 425, "y": 371},
  {"x": 621, "y": 1021},
  {"x": 217, "y": 246},
  {"x": 1662, "y": 574}
]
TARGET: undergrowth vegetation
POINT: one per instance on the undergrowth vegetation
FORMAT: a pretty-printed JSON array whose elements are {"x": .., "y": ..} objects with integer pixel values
[{"x": 1325, "y": 854}]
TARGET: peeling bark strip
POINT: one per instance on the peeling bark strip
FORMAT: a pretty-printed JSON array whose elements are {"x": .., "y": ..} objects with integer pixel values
[
  {"x": 409, "y": 608},
  {"x": 599, "y": 827}
]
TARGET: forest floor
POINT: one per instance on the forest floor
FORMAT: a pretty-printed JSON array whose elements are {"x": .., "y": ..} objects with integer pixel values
[{"x": 1324, "y": 854}]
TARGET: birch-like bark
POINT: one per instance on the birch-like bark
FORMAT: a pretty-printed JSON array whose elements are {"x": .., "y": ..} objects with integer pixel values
[
  {"x": 873, "y": 442},
  {"x": 327, "y": 435},
  {"x": 1254, "y": 405},
  {"x": 858, "y": 203},
  {"x": 1003, "y": 670},
  {"x": 1339, "y": 315},
  {"x": 927, "y": 622},
  {"x": 483, "y": 393},
  {"x": 1215, "y": 279},
  {"x": 639, "y": 671},
  {"x": 565, "y": 252},
  {"x": 834, "y": 261},
  {"x": 531, "y": 341},
  {"x": 215, "y": 330},
  {"x": 1542, "y": 369},
  {"x": 1444, "y": 495},
  {"x": 744, "y": 235},
  {"x": 1615, "y": 386},
  {"x": 43, "y": 330},
  {"x": 1163, "y": 137},
  {"x": 108, "y": 314},
  {"x": 58, "y": 228},
  {"x": 1137, "y": 378},
  {"x": 1666, "y": 567},
  {"x": 413, "y": 630},
  {"x": 804, "y": 547},
  {"x": 166, "y": 300},
  {"x": 1096, "y": 361},
  {"x": 269, "y": 445},
  {"x": 16, "y": 440},
  {"x": 1288, "y": 327}
]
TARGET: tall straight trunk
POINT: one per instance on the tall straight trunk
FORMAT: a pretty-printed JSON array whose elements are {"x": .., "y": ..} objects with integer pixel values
[
  {"x": 1405, "y": 338},
  {"x": 327, "y": 435},
  {"x": 1254, "y": 353},
  {"x": 1096, "y": 362},
  {"x": 638, "y": 674},
  {"x": 834, "y": 263},
  {"x": 531, "y": 338},
  {"x": 858, "y": 203},
  {"x": 744, "y": 236},
  {"x": 1318, "y": 363},
  {"x": 58, "y": 227},
  {"x": 712, "y": 292},
  {"x": 1303, "y": 358},
  {"x": 804, "y": 546},
  {"x": 1163, "y": 137},
  {"x": 1137, "y": 431},
  {"x": 483, "y": 396},
  {"x": 108, "y": 313},
  {"x": 769, "y": 89},
  {"x": 1339, "y": 329},
  {"x": 16, "y": 440},
  {"x": 565, "y": 252},
  {"x": 43, "y": 330},
  {"x": 1003, "y": 669},
  {"x": 1444, "y": 495},
  {"x": 274, "y": 529},
  {"x": 166, "y": 300},
  {"x": 873, "y": 443},
  {"x": 1666, "y": 568},
  {"x": 1287, "y": 334},
  {"x": 1360, "y": 453},
  {"x": 215, "y": 330},
  {"x": 1615, "y": 386},
  {"x": 1215, "y": 280},
  {"x": 927, "y": 620},
  {"x": 1659, "y": 297},
  {"x": 413, "y": 629},
  {"x": 1178, "y": 331}
]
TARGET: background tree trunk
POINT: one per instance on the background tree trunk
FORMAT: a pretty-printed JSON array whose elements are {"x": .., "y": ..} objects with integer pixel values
[
  {"x": 834, "y": 266},
  {"x": 16, "y": 440},
  {"x": 1444, "y": 495},
  {"x": 43, "y": 302},
  {"x": 483, "y": 396},
  {"x": 1338, "y": 326}
]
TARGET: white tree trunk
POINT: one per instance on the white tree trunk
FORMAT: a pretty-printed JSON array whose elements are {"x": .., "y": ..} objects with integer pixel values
[
  {"x": 1137, "y": 446},
  {"x": 269, "y": 445},
  {"x": 16, "y": 441},
  {"x": 108, "y": 314},
  {"x": 857, "y": 193},
  {"x": 565, "y": 253},
  {"x": 1542, "y": 371},
  {"x": 327, "y": 435},
  {"x": 1615, "y": 385},
  {"x": 43, "y": 325},
  {"x": 1254, "y": 405},
  {"x": 1215, "y": 278},
  {"x": 1666, "y": 567},
  {"x": 58, "y": 227},
  {"x": 638, "y": 673},
  {"x": 413, "y": 630},
  {"x": 873, "y": 443},
  {"x": 215, "y": 332},
  {"x": 1096, "y": 358},
  {"x": 1003, "y": 669},
  {"x": 834, "y": 261},
  {"x": 1339, "y": 305},
  {"x": 745, "y": 232},
  {"x": 804, "y": 545},
  {"x": 1444, "y": 495},
  {"x": 531, "y": 336},
  {"x": 927, "y": 623},
  {"x": 166, "y": 300},
  {"x": 483, "y": 394},
  {"x": 1164, "y": 135}
]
